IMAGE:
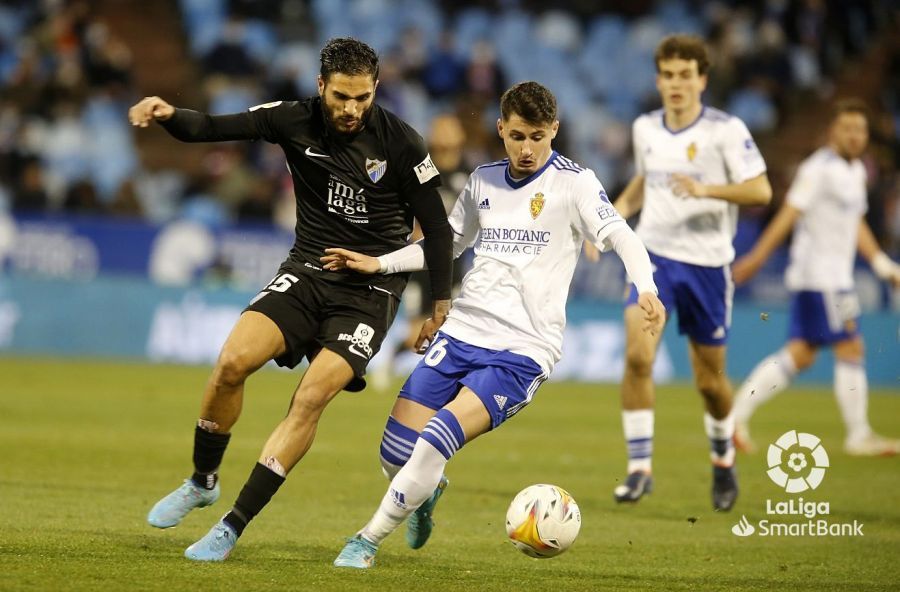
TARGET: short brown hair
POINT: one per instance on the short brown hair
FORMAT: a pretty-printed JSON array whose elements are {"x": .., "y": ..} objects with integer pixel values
[
  {"x": 531, "y": 101},
  {"x": 683, "y": 47},
  {"x": 849, "y": 105}
]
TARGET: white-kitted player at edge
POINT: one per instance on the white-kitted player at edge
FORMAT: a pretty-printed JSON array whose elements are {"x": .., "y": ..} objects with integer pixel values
[
  {"x": 825, "y": 208},
  {"x": 694, "y": 165},
  {"x": 527, "y": 216}
]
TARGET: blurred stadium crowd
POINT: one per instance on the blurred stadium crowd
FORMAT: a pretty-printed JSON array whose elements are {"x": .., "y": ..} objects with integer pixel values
[{"x": 67, "y": 78}]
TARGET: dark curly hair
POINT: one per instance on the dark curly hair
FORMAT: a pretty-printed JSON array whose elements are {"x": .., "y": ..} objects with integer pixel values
[
  {"x": 683, "y": 47},
  {"x": 531, "y": 101},
  {"x": 346, "y": 55}
]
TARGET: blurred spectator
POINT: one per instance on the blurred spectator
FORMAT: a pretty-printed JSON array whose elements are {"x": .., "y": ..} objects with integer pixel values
[
  {"x": 484, "y": 78},
  {"x": 230, "y": 177},
  {"x": 229, "y": 55},
  {"x": 256, "y": 9},
  {"x": 81, "y": 198},
  {"x": 259, "y": 204},
  {"x": 107, "y": 60},
  {"x": 125, "y": 203},
  {"x": 29, "y": 194},
  {"x": 446, "y": 143},
  {"x": 443, "y": 73}
]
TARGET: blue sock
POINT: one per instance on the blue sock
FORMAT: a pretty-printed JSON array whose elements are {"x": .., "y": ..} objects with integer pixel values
[
  {"x": 444, "y": 433},
  {"x": 397, "y": 442}
]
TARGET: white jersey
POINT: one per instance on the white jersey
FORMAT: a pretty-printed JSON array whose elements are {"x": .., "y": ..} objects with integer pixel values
[
  {"x": 527, "y": 236},
  {"x": 831, "y": 194},
  {"x": 716, "y": 149}
]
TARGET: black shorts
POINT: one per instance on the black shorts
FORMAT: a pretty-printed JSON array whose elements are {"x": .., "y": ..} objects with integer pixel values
[{"x": 312, "y": 313}]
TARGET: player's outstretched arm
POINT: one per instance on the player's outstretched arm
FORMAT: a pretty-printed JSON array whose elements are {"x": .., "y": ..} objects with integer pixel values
[
  {"x": 263, "y": 121},
  {"x": 778, "y": 229},
  {"x": 752, "y": 192},
  {"x": 886, "y": 269},
  {"x": 150, "y": 109}
]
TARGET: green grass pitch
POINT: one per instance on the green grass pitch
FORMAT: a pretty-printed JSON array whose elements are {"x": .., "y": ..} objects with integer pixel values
[{"x": 88, "y": 447}]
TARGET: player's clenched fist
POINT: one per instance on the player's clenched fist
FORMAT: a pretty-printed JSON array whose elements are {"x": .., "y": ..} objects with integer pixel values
[{"x": 148, "y": 109}]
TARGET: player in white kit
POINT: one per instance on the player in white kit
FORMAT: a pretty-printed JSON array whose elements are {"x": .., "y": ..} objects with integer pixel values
[
  {"x": 527, "y": 216},
  {"x": 825, "y": 209},
  {"x": 694, "y": 165}
]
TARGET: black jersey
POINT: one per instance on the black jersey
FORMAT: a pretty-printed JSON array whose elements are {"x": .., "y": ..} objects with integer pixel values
[{"x": 359, "y": 191}]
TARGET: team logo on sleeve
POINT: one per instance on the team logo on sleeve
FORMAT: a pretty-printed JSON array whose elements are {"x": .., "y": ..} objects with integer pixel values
[
  {"x": 692, "y": 151},
  {"x": 537, "y": 205},
  {"x": 375, "y": 169},
  {"x": 425, "y": 170}
]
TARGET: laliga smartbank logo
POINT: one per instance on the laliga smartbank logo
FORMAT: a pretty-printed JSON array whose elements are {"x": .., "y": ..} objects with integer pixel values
[{"x": 797, "y": 462}]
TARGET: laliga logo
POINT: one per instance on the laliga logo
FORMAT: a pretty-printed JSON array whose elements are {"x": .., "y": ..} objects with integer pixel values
[{"x": 797, "y": 462}]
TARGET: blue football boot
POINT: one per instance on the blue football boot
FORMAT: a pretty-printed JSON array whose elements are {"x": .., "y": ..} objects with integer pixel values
[
  {"x": 419, "y": 525},
  {"x": 170, "y": 510},
  {"x": 636, "y": 485},
  {"x": 358, "y": 553},
  {"x": 724, "y": 488},
  {"x": 215, "y": 546}
]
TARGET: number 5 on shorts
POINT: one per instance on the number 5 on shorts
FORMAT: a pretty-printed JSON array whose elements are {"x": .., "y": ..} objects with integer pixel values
[
  {"x": 436, "y": 353},
  {"x": 283, "y": 282}
]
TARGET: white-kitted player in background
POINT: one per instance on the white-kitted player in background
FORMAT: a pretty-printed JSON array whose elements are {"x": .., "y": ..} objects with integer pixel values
[
  {"x": 694, "y": 165},
  {"x": 825, "y": 208},
  {"x": 527, "y": 217}
]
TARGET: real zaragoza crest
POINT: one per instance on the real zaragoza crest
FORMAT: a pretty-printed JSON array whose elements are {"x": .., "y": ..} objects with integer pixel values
[
  {"x": 375, "y": 169},
  {"x": 692, "y": 151},
  {"x": 537, "y": 205}
]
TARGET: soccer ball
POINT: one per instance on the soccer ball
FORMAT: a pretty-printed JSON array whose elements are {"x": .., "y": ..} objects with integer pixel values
[{"x": 543, "y": 520}]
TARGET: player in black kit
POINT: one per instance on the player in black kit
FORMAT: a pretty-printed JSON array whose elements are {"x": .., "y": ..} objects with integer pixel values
[{"x": 360, "y": 176}]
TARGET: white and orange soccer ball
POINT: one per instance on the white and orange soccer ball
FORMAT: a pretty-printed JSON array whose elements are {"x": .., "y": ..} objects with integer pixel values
[{"x": 543, "y": 521}]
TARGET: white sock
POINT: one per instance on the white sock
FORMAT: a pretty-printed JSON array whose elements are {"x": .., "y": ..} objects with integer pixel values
[
  {"x": 852, "y": 391},
  {"x": 390, "y": 470},
  {"x": 638, "y": 428},
  {"x": 412, "y": 485},
  {"x": 770, "y": 377},
  {"x": 720, "y": 432}
]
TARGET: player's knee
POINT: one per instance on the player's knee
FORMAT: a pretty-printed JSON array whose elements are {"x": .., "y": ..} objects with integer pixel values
[
  {"x": 852, "y": 351},
  {"x": 310, "y": 401},
  {"x": 803, "y": 357},
  {"x": 639, "y": 361},
  {"x": 712, "y": 387},
  {"x": 233, "y": 368}
]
